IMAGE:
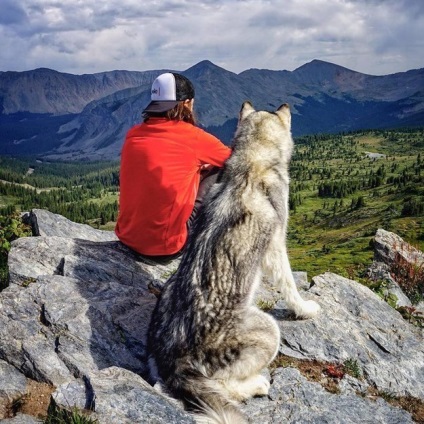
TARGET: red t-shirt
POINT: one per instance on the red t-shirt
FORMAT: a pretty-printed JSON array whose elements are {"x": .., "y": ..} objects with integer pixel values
[{"x": 159, "y": 179}]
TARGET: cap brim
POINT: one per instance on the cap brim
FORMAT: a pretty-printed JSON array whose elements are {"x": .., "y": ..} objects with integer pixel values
[{"x": 160, "y": 106}]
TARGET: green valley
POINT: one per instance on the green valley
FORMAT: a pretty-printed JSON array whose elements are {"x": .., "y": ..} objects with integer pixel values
[{"x": 343, "y": 188}]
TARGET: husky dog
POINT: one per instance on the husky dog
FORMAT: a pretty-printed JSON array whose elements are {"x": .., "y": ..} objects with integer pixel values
[{"x": 207, "y": 341}]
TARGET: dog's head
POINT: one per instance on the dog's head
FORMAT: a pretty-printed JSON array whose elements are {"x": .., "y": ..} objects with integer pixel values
[
  {"x": 264, "y": 137},
  {"x": 283, "y": 112}
]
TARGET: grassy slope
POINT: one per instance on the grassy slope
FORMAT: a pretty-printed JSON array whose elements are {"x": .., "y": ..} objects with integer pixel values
[{"x": 339, "y": 241}]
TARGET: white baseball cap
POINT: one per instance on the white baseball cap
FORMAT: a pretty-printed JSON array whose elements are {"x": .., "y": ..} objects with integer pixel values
[{"x": 168, "y": 90}]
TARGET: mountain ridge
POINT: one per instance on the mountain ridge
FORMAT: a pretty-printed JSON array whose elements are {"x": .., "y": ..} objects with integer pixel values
[{"x": 86, "y": 116}]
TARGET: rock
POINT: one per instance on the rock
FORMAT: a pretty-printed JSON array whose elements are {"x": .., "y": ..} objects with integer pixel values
[
  {"x": 293, "y": 399},
  {"x": 351, "y": 385},
  {"x": 22, "y": 419},
  {"x": 379, "y": 271},
  {"x": 357, "y": 324},
  {"x": 77, "y": 305},
  {"x": 119, "y": 396},
  {"x": 77, "y": 310},
  {"x": 45, "y": 223},
  {"x": 82, "y": 259},
  {"x": 267, "y": 295},
  {"x": 388, "y": 245},
  {"x": 65, "y": 327},
  {"x": 301, "y": 279},
  {"x": 12, "y": 386},
  {"x": 400, "y": 265},
  {"x": 393, "y": 260}
]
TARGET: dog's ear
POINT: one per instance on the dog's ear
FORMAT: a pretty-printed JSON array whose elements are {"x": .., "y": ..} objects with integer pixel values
[
  {"x": 246, "y": 110},
  {"x": 284, "y": 113}
]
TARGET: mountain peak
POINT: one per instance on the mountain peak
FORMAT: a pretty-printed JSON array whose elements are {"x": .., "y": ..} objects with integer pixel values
[
  {"x": 319, "y": 71},
  {"x": 205, "y": 64},
  {"x": 320, "y": 65},
  {"x": 205, "y": 67}
]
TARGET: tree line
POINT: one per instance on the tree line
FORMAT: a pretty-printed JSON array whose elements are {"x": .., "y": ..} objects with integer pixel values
[
  {"x": 335, "y": 166},
  {"x": 82, "y": 192}
]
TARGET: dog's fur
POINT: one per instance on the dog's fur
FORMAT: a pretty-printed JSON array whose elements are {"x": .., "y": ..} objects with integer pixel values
[{"x": 207, "y": 340}]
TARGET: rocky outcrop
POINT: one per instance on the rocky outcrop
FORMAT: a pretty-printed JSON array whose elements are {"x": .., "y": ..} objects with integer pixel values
[
  {"x": 387, "y": 246},
  {"x": 293, "y": 399},
  {"x": 76, "y": 312},
  {"x": 13, "y": 385},
  {"x": 393, "y": 259},
  {"x": 47, "y": 224},
  {"x": 356, "y": 325}
]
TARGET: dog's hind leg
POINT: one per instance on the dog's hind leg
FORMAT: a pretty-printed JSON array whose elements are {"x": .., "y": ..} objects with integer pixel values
[
  {"x": 259, "y": 340},
  {"x": 277, "y": 267}
]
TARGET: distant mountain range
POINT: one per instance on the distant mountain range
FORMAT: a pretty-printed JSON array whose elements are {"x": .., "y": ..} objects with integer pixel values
[{"x": 64, "y": 116}]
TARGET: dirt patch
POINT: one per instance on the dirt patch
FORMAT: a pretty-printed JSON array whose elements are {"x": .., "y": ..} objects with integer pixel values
[
  {"x": 316, "y": 371},
  {"x": 413, "y": 405},
  {"x": 35, "y": 402}
]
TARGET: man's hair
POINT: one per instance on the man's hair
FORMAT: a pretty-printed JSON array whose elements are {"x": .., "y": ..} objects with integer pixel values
[{"x": 178, "y": 113}]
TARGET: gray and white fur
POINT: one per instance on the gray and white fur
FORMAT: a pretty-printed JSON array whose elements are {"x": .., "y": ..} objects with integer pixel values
[{"x": 208, "y": 342}]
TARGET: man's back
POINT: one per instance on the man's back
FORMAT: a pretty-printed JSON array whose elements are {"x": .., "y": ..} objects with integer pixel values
[{"x": 160, "y": 173}]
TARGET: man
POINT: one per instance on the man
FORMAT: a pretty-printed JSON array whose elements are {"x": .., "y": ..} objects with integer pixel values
[{"x": 161, "y": 163}]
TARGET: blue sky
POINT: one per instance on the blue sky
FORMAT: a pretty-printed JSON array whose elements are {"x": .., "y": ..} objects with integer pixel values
[{"x": 376, "y": 37}]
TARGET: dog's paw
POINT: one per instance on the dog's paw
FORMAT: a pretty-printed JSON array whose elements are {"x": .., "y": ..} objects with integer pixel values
[
  {"x": 308, "y": 309},
  {"x": 261, "y": 385},
  {"x": 240, "y": 390}
]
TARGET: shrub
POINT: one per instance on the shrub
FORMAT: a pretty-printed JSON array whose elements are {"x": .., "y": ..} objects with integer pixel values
[
  {"x": 75, "y": 416},
  {"x": 11, "y": 228},
  {"x": 351, "y": 367},
  {"x": 412, "y": 315},
  {"x": 265, "y": 305}
]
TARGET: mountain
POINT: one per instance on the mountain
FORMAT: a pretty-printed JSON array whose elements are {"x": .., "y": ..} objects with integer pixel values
[
  {"x": 47, "y": 91},
  {"x": 59, "y": 115}
]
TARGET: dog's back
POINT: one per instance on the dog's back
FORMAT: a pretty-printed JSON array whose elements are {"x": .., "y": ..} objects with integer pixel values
[{"x": 208, "y": 340}]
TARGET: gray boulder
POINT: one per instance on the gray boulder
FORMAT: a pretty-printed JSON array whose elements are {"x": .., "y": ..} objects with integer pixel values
[
  {"x": 82, "y": 306},
  {"x": 356, "y": 324},
  {"x": 45, "y": 223},
  {"x": 119, "y": 396},
  {"x": 12, "y": 386},
  {"x": 392, "y": 258},
  {"x": 293, "y": 399},
  {"x": 380, "y": 272},
  {"x": 21, "y": 419},
  {"x": 76, "y": 313},
  {"x": 388, "y": 245}
]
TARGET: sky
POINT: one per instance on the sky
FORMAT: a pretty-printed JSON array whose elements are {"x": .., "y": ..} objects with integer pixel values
[{"x": 376, "y": 37}]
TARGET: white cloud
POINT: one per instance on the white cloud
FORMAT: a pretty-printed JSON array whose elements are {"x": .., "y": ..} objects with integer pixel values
[{"x": 85, "y": 36}]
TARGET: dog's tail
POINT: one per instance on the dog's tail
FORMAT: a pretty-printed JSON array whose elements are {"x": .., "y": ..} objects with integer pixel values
[{"x": 206, "y": 399}]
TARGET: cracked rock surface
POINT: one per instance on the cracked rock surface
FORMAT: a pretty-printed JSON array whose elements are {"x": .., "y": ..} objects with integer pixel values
[{"x": 76, "y": 312}]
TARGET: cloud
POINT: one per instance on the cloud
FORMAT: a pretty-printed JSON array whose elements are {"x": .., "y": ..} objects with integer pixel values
[
  {"x": 85, "y": 36},
  {"x": 12, "y": 13}
]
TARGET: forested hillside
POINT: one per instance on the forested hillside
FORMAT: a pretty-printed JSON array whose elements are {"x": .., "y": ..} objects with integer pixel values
[
  {"x": 347, "y": 186},
  {"x": 343, "y": 187},
  {"x": 83, "y": 192}
]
